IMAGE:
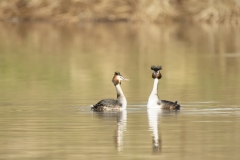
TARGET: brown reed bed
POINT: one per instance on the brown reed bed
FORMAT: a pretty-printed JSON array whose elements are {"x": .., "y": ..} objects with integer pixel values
[{"x": 211, "y": 11}]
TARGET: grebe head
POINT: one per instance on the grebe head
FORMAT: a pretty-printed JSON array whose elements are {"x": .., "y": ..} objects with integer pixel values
[
  {"x": 117, "y": 78},
  {"x": 156, "y": 72}
]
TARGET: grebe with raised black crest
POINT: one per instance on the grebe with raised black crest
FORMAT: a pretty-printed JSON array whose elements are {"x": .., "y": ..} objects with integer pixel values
[{"x": 153, "y": 100}]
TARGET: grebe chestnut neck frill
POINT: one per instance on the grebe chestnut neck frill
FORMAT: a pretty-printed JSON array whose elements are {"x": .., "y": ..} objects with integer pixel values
[
  {"x": 112, "y": 104},
  {"x": 153, "y": 100}
]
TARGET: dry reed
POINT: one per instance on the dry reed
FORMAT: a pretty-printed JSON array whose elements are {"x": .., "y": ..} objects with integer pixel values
[{"x": 212, "y": 11}]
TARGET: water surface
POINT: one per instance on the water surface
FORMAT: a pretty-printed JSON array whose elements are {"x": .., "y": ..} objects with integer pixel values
[{"x": 50, "y": 74}]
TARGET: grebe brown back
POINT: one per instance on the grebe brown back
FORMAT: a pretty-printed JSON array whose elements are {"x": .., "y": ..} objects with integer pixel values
[
  {"x": 153, "y": 100},
  {"x": 112, "y": 104}
]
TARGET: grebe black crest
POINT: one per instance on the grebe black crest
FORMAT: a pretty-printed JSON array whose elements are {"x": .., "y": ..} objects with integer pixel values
[
  {"x": 153, "y": 100},
  {"x": 112, "y": 104},
  {"x": 156, "y": 72},
  {"x": 156, "y": 68}
]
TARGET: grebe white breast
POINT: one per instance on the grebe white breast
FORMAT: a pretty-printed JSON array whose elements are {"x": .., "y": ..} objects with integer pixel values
[
  {"x": 153, "y": 100},
  {"x": 112, "y": 104}
]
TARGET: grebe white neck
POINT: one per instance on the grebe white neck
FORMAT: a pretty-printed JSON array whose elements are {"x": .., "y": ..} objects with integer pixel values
[
  {"x": 153, "y": 98},
  {"x": 120, "y": 96}
]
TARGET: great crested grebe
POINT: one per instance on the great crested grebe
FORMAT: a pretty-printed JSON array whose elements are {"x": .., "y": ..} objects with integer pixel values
[
  {"x": 112, "y": 104},
  {"x": 153, "y": 100}
]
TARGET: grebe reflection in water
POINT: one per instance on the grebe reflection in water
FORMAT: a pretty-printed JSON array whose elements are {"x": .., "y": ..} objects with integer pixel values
[
  {"x": 153, "y": 115},
  {"x": 120, "y": 117}
]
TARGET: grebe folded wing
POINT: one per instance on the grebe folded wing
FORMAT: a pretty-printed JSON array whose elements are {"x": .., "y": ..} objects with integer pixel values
[
  {"x": 104, "y": 104},
  {"x": 169, "y": 105}
]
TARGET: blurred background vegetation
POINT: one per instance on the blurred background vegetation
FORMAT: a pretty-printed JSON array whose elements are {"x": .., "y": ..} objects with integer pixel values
[
  {"x": 74, "y": 64},
  {"x": 211, "y": 11}
]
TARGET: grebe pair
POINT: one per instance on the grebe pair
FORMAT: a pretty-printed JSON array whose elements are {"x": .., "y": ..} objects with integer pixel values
[{"x": 121, "y": 102}]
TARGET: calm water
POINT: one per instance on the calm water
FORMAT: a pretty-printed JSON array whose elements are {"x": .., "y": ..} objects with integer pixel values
[{"x": 50, "y": 74}]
